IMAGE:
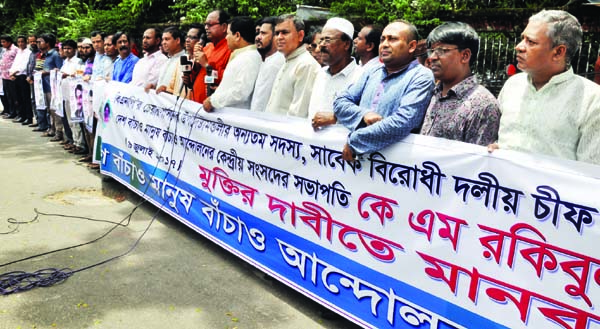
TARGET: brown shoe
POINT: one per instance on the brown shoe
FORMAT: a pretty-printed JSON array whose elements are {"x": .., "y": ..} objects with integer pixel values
[
  {"x": 93, "y": 166},
  {"x": 69, "y": 146},
  {"x": 47, "y": 134},
  {"x": 64, "y": 142},
  {"x": 56, "y": 139},
  {"x": 87, "y": 158}
]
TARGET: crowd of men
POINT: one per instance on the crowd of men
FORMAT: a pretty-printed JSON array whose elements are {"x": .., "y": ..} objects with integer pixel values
[{"x": 381, "y": 84}]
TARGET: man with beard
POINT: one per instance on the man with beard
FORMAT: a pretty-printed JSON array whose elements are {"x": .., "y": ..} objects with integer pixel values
[
  {"x": 172, "y": 43},
  {"x": 147, "y": 69},
  {"x": 461, "y": 109},
  {"x": 294, "y": 81},
  {"x": 341, "y": 70},
  {"x": 272, "y": 62},
  {"x": 214, "y": 56},
  {"x": 240, "y": 75},
  {"x": 123, "y": 68}
]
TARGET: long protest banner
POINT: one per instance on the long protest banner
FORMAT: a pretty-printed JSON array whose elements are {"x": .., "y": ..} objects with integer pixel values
[{"x": 428, "y": 233}]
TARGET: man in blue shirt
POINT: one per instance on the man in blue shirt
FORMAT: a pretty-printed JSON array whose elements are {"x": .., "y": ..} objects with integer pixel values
[
  {"x": 126, "y": 61},
  {"x": 389, "y": 100}
]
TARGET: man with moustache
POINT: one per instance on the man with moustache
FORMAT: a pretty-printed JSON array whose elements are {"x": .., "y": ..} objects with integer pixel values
[
  {"x": 31, "y": 68},
  {"x": 240, "y": 74},
  {"x": 461, "y": 109},
  {"x": 214, "y": 55},
  {"x": 124, "y": 64},
  {"x": 390, "y": 100},
  {"x": 294, "y": 81},
  {"x": 71, "y": 64},
  {"x": 172, "y": 43},
  {"x": 147, "y": 69},
  {"x": 366, "y": 46},
  {"x": 547, "y": 109},
  {"x": 272, "y": 62},
  {"x": 339, "y": 73},
  {"x": 102, "y": 69}
]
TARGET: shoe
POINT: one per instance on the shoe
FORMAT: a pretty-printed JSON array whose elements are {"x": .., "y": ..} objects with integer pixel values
[
  {"x": 80, "y": 151},
  {"x": 56, "y": 139},
  {"x": 34, "y": 125},
  {"x": 12, "y": 116},
  {"x": 87, "y": 158},
  {"x": 68, "y": 146},
  {"x": 73, "y": 149},
  {"x": 18, "y": 120},
  {"x": 38, "y": 129},
  {"x": 93, "y": 166},
  {"x": 47, "y": 134},
  {"x": 65, "y": 142},
  {"x": 26, "y": 122}
]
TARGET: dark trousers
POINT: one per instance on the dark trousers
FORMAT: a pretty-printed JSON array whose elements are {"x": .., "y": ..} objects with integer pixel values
[
  {"x": 66, "y": 128},
  {"x": 10, "y": 93},
  {"x": 4, "y": 104},
  {"x": 23, "y": 90}
]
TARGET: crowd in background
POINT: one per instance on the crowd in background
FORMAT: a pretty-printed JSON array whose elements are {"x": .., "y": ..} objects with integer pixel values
[{"x": 381, "y": 83}]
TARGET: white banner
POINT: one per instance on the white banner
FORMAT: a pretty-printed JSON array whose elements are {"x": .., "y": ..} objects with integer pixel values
[
  {"x": 427, "y": 233},
  {"x": 38, "y": 90},
  {"x": 56, "y": 102}
]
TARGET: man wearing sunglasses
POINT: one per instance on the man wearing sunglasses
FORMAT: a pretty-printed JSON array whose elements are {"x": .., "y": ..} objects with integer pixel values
[{"x": 460, "y": 109}]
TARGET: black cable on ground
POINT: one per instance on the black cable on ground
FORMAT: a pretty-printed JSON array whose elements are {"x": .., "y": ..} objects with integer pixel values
[{"x": 19, "y": 281}]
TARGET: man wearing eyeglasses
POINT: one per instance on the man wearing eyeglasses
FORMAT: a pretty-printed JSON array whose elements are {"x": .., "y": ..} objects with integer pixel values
[
  {"x": 215, "y": 55},
  {"x": 341, "y": 70},
  {"x": 389, "y": 101},
  {"x": 547, "y": 109},
  {"x": 461, "y": 109},
  {"x": 294, "y": 81}
]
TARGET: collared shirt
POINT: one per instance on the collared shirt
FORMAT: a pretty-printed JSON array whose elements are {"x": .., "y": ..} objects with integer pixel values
[
  {"x": 70, "y": 65},
  {"x": 19, "y": 66},
  {"x": 168, "y": 68},
  {"x": 468, "y": 113},
  {"x": 52, "y": 61},
  {"x": 238, "y": 80},
  {"x": 32, "y": 63},
  {"x": 327, "y": 87},
  {"x": 89, "y": 66},
  {"x": 123, "y": 68},
  {"x": 148, "y": 68},
  {"x": 293, "y": 86},
  {"x": 218, "y": 57},
  {"x": 372, "y": 63},
  {"x": 561, "y": 119},
  {"x": 103, "y": 67},
  {"x": 401, "y": 99},
  {"x": 264, "y": 82},
  {"x": 7, "y": 61}
]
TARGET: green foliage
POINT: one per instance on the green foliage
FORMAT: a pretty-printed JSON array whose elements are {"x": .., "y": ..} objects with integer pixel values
[
  {"x": 421, "y": 12},
  {"x": 197, "y": 10}
]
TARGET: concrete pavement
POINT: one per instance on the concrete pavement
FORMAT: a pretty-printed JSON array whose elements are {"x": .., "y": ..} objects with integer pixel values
[{"x": 175, "y": 278}]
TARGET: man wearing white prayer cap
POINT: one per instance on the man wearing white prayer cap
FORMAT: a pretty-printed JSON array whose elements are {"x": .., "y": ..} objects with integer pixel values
[{"x": 340, "y": 71}]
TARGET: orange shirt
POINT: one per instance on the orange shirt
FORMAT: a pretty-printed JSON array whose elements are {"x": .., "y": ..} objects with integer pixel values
[
  {"x": 218, "y": 57},
  {"x": 597, "y": 71}
]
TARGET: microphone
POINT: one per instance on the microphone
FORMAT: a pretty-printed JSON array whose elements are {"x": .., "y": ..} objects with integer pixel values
[
  {"x": 185, "y": 64},
  {"x": 209, "y": 80}
]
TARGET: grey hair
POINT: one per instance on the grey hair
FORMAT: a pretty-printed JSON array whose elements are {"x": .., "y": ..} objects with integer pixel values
[
  {"x": 298, "y": 22},
  {"x": 563, "y": 29}
]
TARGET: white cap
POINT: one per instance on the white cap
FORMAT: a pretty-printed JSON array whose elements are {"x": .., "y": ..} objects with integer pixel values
[
  {"x": 342, "y": 25},
  {"x": 86, "y": 41}
]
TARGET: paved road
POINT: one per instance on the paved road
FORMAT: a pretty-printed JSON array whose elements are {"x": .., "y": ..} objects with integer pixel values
[{"x": 174, "y": 279}]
